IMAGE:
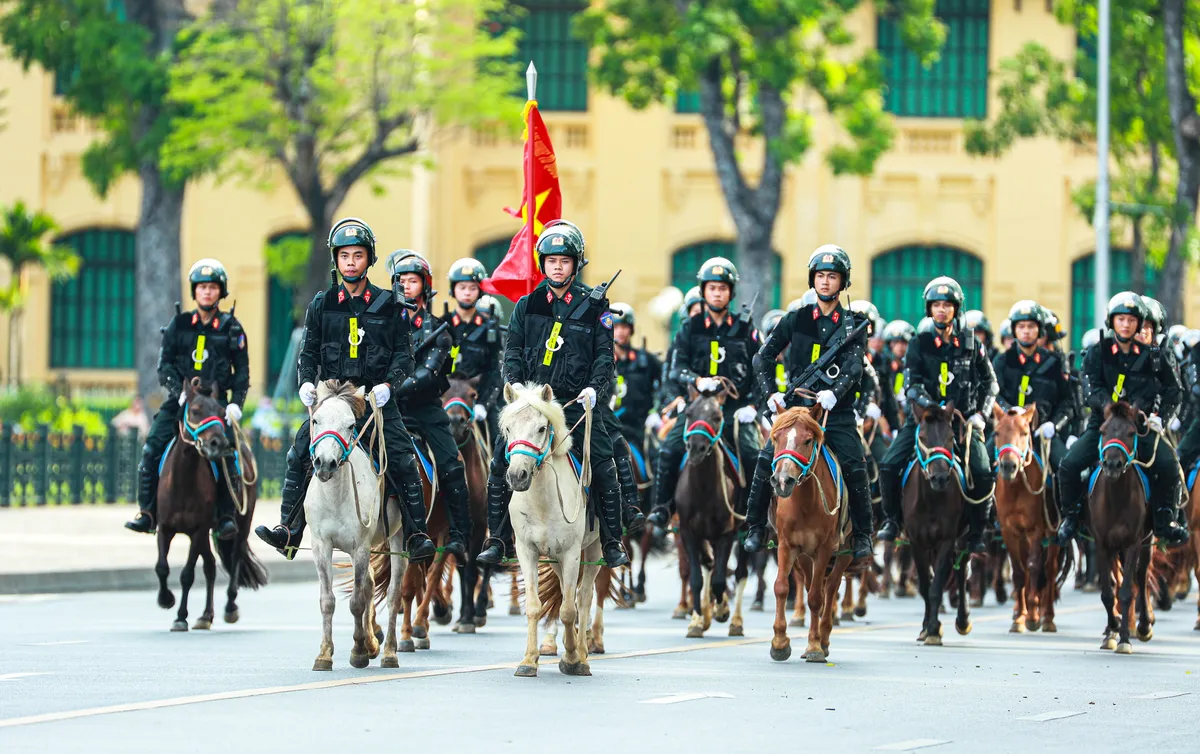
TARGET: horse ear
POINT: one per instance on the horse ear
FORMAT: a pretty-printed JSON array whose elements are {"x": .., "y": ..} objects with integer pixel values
[
  {"x": 1031, "y": 412},
  {"x": 361, "y": 392},
  {"x": 918, "y": 411},
  {"x": 693, "y": 393},
  {"x": 817, "y": 413},
  {"x": 997, "y": 412},
  {"x": 474, "y": 381},
  {"x": 510, "y": 395},
  {"x": 547, "y": 393}
]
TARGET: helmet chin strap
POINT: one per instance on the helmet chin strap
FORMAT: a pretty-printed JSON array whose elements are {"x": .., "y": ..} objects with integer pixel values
[
  {"x": 204, "y": 308},
  {"x": 1023, "y": 344},
  {"x": 828, "y": 299},
  {"x": 355, "y": 279}
]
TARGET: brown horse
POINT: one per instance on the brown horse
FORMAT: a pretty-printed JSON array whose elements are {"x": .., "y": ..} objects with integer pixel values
[
  {"x": 459, "y": 402},
  {"x": 187, "y": 496},
  {"x": 1121, "y": 526},
  {"x": 933, "y": 513},
  {"x": 811, "y": 521},
  {"x": 1193, "y": 558}
]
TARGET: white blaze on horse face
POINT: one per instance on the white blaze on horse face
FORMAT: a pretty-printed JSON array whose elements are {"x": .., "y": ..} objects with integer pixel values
[{"x": 791, "y": 439}]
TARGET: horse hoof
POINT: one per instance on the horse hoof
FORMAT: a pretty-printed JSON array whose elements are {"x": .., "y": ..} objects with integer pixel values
[
  {"x": 1146, "y": 636},
  {"x": 1124, "y": 648},
  {"x": 814, "y": 656},
  {"x": 465, "y": 628},
  {"x": 721, "y": 617},
  {"x": 516, "y": 610},
  {"x": 359, "y": 661},
  {"x": 390, "y": 661},
  {"x": 419, "y": 632},
  {"x": 203, "y": 624},
  {"x": 595, "y": 649},
  {"x": 796, "y": 623},
  {"x": 547, "y": 651},
  {"x": 640, "y": 597},
  {"x": 963, "y": 631},
  {"x": 232, "y": 616},
  {"x": 781, "y": 654},
  {"x": 848, "y": 616},
  {"x": 1090, "y": 588},
  {"x": 756, "y": 606},
  {"x": 860, "y": 612},
  {"x": 933, "y": 641},
  {"x": 1109, "y": 643},
  {"x": 737, "y": 629},
  {"x": 679, "y": 614},
  {"x": 575, "y": 668},
  {"x": 1001, "y": 597},
  {"x": 526, "y": 671},
  {"x": 443, "y": 620},
  {"x": 179, "y": 625},
  {"x": 321, "y": 664},
  {"x": 166, "y": 600},
  {"x": 1017, "y": 627},
  {"x": 479, "y": 621},
  {"x": 695, "y": 632},
  {"x": 976, "y": 602},
  {"x": 421, "y": 643},
  {"x": 406, "y": 645},
  {"x": 921, "y": 636},
  {"x": 1048, "y": 626}
]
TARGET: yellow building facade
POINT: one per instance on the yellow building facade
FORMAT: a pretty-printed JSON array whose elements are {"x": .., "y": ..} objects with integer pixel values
[{"x": 640, "y": 184}]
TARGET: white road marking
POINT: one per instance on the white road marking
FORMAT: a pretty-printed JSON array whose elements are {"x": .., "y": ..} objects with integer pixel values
[
  {"x": 1163, "y": 695},
  {"x": 1047, "y": 716},
  {"x": 60, "y": 643},
  {"x": 914, "y": 744},
  {"x": 676, "y": 698},
  {"x": 17, "y": 676}
]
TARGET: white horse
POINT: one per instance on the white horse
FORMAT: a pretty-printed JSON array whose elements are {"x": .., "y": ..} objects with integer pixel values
[
  {"x": 342, "y": 506},
  {"x": 549, "y": 519}
]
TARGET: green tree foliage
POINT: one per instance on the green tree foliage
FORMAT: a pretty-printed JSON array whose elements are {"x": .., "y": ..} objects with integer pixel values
[
  {"x": 331, "y": 93},
  {"x": 763, "y": 69}
]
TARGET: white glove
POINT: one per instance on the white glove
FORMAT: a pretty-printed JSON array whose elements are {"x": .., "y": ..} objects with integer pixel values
[
  {"x": 382, "y": 393},
  {"x": 1154, "y": 422},
  {"x": 902, "y": 399},
  {"x": 480, "y": 413},
  {"x": 233, "y": 413},
  {"x": 308, "y": 394},
  {"x": 1020, "y": 410},
  {"x": 977, "y": 421},
  {"x": 653, "y": 421},
  {"x": 1174, "y": 424},
  {"x": 587, "y": 397},
  {"x": 707, "y": 384},
  {"x": 873, "y": 411},
  {"x": 612, "y": 403},
  {"x": 827, "y": 399},
  {"x": 1046, "y": 430},
  {"x": 182, "y": 398},
  {"x": 745, "y": 414},
  {"x": 777, "y": 402},
  {"x": 1071, "y": 441}
]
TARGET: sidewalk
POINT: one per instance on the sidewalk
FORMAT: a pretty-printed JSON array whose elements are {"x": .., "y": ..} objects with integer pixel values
[{"x": 87, "y": 548}]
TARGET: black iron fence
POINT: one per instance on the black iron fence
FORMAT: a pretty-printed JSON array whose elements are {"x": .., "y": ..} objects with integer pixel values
[{"x": 42, "y": 467}]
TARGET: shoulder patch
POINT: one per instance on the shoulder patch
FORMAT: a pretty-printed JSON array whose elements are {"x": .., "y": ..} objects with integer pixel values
[
  {"x": 606, "y": 319},
  {"x": 242, "y": 342}
]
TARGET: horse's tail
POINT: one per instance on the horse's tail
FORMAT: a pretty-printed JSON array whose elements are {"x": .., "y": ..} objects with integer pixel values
[
  {"x": 549, "y": 592},
  {"x": 1066, "y": 561},
  {"x": 381, "y": 572},
  {"x": 252, "y": 574}
]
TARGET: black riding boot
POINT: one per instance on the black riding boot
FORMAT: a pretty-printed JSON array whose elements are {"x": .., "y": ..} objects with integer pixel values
[
  {"x": 889, "y": 484},
  {"x": 458, "y": 509},
  {"x": 631, "y": 515},
  {"x": 143, "y": 522},
  {"x": 757, "y": 502},
  {"x": 604, "y": 477},
  {"x": 1166, "y": 527},
  {"x": 412, "y": 499},
  {"x": 666, "y": 476},
  {"x": 499, "y": 539},
  {"x": 977, "y": 519},
  {"x": 858, "y": 490},
  {"x": 287, "y": 536},
  {"x": 226, "y": 512},
  {"x": 1070, "y": 498}
]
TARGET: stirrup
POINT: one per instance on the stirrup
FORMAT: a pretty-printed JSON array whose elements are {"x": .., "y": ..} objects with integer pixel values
[
  {"x": 488, "y": 544},
  {"x": 618, "y": 555},
  {"x": 135, "y": 526}
]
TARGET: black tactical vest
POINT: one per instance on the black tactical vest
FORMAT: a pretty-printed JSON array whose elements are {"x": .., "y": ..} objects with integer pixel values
[
  {"x": 807, "y": 344},
  {"x": 723, "y": 351},
  {"x": 357, "y": 336},
  {"x": 206, "y": 351},
  {"x": 423, "y": 325},
  {"x": 476, "y": 341},
  {"x": 1130, "y": 377},
  {"x": 564, "y": 363},
  {"x": 635, "y": 386},
  {"x": 945, "y": 368},
  {"x": 1031, "y": 379}
]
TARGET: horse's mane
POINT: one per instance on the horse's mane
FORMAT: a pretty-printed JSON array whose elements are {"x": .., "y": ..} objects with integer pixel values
[
  {"x": 796, "y": 418},
  {"x": 1122, "y": 410},
  {"x": 531, "y": 397},
  {"x": 347, "y": 391}
]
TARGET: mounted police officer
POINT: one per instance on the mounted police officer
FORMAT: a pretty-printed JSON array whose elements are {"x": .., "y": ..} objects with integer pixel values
[
  {"x": 638, "y": 373},
  {"x": 977, "y": 322},
  {"x": 476, "y": 353},
  {"x": 355, "y": 332},
  {"x": 205, "y": 343},
  {"x": 561, "y": 335},
  {"x": 807, "y": 332},
  {"x": 1120, "y": 368},
  {"x": 714, "y": 343},
  {"x": 1027, "y": 374},
  {"x": 669, "y": 390},
  {"x": 896, "y": 337},
  {"x": 420, "y": 395},
  {"x": 944, "y": 363}
]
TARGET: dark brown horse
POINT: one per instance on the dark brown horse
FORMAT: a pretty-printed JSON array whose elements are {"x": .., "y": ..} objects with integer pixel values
[
  {"x": 933, "y": 516},
  {"x": 1121, "y": 525},
  {"x": 459, "y": 402},
  {"x": 187, "y": 498}
]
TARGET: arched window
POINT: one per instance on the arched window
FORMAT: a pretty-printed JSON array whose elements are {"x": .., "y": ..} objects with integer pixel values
[
  {"x": 685, "y": 263},
  {"x": 1083, "y": 288},
  {"x": 282, "y": 317},
  {"x": 92, "y": 314},
  {"x": 898, "y": 279}
]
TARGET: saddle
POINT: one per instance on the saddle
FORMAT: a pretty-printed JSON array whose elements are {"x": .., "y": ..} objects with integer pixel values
[{"x": 1145, "y": 479}]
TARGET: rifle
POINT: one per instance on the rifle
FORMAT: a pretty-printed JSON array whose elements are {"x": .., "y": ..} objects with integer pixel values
[
  {"x": 433, "y": 336},
  {"x": 819, "y": 370}
]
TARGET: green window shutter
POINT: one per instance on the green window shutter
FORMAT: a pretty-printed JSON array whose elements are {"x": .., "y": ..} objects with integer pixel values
[
  {"x": 953, "y": 87},
  {"x": 687, "y": 102},
  {"x": 561, "y": 57},
  {"x": 92, "y": 315},
  {"x": 282, "y": 318},
  {"x": 898, "y": 279},
  {"x": 1083, "y": 289},
  {"x": 685, "y": 263}
]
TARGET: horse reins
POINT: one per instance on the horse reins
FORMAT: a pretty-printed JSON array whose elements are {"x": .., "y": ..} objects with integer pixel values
[
  {"x": 539, "y": 455},
  {"x": 241, "y": 504},
  {"x": 348, "y": 448}
]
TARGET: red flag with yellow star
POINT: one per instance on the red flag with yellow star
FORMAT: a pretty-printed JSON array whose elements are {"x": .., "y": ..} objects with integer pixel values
[{"x": 518, "y": 274}]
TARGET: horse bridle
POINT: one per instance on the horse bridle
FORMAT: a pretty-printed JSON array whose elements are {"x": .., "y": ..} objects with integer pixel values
[
  {"x": 1129, "y": 453},
  {"x": 346, "y": 445},
  {"x": 196, "y": 430},
  {"x": 538, "y": 453},
  {"x": 705, "y": 430},
  {"x": 927, "y": 455}
]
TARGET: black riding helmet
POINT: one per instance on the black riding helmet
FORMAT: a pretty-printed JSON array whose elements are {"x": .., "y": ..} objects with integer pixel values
[
  {"x": 466, "y": 270},
  {"x": 622, "y": 314},
  {"x": 830, "y": 258},
  {"x": 208, "y": 271},
  {"x": 401, "y": 261},
  {"x": 898, "y": 330},
  {"x": 770, "y": 321},
  {"x": 1028, "y": 311},
  {"x": 351, "y": 231},
  {"x": 864, "y": 308},
  {"x": 1156, "y": 314},
  {"x": 977, "y": 320},
  {"x": 1125, "y": 302},
  {"x": 561, "y": 238},
  {"x": 718, "y": 270},
  {"x": 943, "y": 289}
]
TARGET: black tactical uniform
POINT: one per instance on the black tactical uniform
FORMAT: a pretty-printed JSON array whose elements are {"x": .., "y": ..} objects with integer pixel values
[
  {"x": 943, "y": 365},
  {"x": 1145, "y": 379},
  {"x": 420, "y": 397},
  {"x": 365, "y": 340},
  {"x": 1027, "y": 374},
  {"x": 637, "y": 375},
  {"x": 1189, "y": 444},
  {"x": 710, "y": 344},
  {"x": 807, "y": 333},
  {"x": 890, "y": 369},
  {"x": 477, "y": 344},
  {"x": 577, "y": 327},
  {"x": 214, "y": 351}
]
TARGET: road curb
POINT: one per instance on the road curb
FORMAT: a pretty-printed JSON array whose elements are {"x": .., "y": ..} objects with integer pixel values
[{"x": 124, "y": 579}]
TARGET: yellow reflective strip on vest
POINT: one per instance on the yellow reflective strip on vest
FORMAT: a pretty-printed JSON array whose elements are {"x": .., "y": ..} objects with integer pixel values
[
  {"x": 620, "y": 384},
  {"x": 816, "y": 353},
  {"x": 551, "y": 342},
  {"x": 198, "y": 354},
  {"x": 1024, "y": 387},
  {"x": 354, "y": 337},
  {"x": 944, "y": 379},
  {"x": 898, "y": 386},
  {"x": 780, "y": 378},
  {"x": 454, "y": 350},
  {"x": 713, "y": 357},
  {"x": 1120, "y": 388}
]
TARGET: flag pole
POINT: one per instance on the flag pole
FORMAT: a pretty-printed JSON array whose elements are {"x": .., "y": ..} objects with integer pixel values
[{"x": 530, "y": 192}]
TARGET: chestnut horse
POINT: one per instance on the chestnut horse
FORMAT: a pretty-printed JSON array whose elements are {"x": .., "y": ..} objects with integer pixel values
[
  {"x": 459, "y": 402},
  {"x": 811, "y": 521}
]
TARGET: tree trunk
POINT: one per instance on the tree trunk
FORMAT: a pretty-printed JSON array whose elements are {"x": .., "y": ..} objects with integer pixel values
[
  {"x": 158, "y": 284},
  {"x": 1186, "y": 124},
  {"x": 320, "y": 219},
  {"x": 758, "y": 277},
  {"x": 10, "y": 375},
  {"x": 1137, "y": 262}
]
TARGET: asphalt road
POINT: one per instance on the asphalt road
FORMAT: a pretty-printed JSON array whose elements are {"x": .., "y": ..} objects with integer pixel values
[{"x": 101, "y": 673}]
